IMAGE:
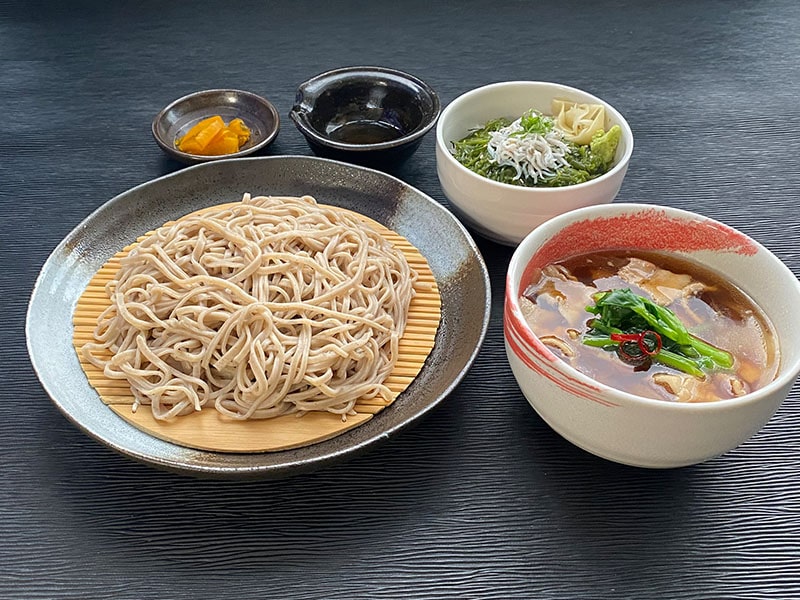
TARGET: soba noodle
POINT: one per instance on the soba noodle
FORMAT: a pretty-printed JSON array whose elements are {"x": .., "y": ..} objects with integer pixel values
[{"x": 261, "y": 308}]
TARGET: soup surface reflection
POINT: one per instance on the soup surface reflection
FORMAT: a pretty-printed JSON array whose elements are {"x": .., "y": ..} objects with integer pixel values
[{"x": 712, "y": 309}]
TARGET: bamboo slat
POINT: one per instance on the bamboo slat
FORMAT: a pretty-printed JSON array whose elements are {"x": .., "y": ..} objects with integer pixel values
[{"x": 208, "y": 429}]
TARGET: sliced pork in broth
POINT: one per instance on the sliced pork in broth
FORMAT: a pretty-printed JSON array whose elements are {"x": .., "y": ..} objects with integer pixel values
[{"x": 555, "y": 305}]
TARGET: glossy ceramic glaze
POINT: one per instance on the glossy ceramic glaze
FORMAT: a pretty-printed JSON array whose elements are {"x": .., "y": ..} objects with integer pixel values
[
  {"x": 367, "y": 115},
  {"x": 507, "y": 213},
  {"x": 178, "y": 117},
  {"x": 626, "y": 428},
  {"x": 459, "y": 270}
]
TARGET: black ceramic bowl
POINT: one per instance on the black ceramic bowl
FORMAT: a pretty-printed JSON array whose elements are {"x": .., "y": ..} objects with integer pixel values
[{"x": 365, "y": 115}]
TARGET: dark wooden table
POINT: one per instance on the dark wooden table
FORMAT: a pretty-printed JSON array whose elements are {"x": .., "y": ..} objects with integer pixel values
[{"x": 482, "y": 499}]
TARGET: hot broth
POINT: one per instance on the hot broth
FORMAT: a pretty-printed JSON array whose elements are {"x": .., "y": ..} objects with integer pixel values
[{"x": 711, "y": 308}]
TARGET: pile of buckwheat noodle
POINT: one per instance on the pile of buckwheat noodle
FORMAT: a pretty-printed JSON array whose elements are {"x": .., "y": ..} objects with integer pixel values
[{"x": 261, "y": 308}]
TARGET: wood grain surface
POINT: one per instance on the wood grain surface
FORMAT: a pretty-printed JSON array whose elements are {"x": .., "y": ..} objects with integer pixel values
[{"x": 481, "y": 499}]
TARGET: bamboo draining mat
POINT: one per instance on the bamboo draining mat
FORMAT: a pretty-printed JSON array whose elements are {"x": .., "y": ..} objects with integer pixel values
[{"x": 208, "y": 429}]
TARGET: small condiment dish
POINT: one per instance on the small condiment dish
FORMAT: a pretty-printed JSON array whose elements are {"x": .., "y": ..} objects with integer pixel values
[
  {"x": 258, "y": 114},
  {"x": 620, "y": 426},
  {"x": 503, "y": 212},
  {"x": 367, "y": 115}
]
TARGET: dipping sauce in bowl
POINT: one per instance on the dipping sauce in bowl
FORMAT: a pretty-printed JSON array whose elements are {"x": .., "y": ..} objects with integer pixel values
[{"x": 366, "y": 115}]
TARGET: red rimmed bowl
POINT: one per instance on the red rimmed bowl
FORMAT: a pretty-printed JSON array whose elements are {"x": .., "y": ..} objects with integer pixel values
[{"x": 620, "y": 426}]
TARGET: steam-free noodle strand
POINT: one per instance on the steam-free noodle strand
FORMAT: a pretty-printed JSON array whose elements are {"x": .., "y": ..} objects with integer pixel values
[{"x": 262, "y": 308}]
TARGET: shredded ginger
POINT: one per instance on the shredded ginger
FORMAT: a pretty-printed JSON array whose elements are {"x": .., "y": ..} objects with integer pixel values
[{"x": 532, "y": 155}]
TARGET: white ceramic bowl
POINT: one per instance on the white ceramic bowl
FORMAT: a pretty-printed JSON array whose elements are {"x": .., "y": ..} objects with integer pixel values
[
  {"x": 630, "y": 429},
  {"x": 507, "y": 213}
]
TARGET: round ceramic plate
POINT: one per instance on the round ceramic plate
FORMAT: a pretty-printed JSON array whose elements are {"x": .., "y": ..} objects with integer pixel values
[{"x": 453, "y": 257}]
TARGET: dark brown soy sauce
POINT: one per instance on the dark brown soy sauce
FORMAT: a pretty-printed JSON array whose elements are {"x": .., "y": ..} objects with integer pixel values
[{"x": 365, "y": 132}]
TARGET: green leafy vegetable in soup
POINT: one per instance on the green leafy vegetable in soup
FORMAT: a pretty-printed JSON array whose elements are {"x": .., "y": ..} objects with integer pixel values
[
  {"x": 538, "y": 150},
  {"x": 642, "y": 330}
]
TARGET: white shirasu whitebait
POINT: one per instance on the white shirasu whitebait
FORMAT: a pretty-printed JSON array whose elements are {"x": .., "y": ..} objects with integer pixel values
[{"x": 531, "y": 155}]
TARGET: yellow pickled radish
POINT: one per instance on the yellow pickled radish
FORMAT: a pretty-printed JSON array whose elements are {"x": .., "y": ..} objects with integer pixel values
[
  {"x": 241, "y": 130},
  {"x": 225, "y": 142},
  {"x": 212, "y": 137}
]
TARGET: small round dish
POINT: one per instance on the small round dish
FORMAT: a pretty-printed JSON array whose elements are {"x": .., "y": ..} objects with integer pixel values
[
  {"x": 366, "y": 115},
  {"x": 177, "y": 118}
]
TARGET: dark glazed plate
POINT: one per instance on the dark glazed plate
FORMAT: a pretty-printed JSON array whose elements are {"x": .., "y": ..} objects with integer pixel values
[
  {"x": 258, "y": 113},
  {"x": 366, "y": 115},
  {"x": 454, "y": 259}
]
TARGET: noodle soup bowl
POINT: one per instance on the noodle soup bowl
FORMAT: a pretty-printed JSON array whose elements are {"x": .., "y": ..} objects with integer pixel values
[
  {"x": 503, "y": 212},
  {"x": 620, "y": 426}
]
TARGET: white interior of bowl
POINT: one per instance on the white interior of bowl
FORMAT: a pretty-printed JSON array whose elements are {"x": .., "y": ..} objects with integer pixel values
[
  {"x": 511, "y": 99},
  {"x": 754, "y": 269}
]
